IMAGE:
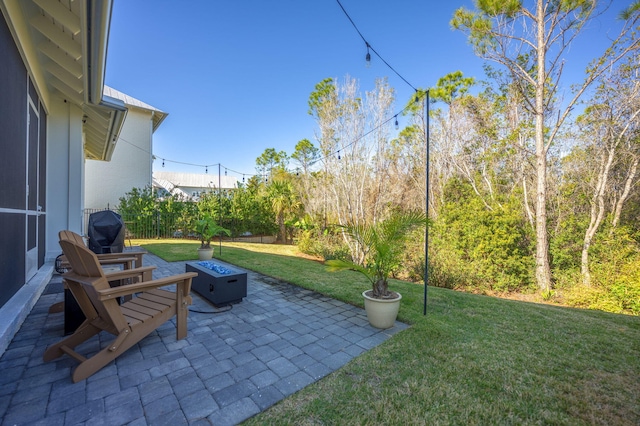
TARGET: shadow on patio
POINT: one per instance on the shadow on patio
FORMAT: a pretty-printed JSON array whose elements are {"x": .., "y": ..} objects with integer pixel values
[{"x": 232, "y": 365}]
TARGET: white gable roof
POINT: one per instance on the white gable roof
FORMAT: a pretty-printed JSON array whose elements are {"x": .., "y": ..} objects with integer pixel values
[
  {"x": 158, "y": 115},
  {"x": 196, "y": 180}
]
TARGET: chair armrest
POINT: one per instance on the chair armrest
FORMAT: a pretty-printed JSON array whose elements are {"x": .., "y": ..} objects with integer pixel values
[
  {"x": 127, "y": 289},
  {"x": 128, "y": 273},
  {"x": 122, "y": 254},
  {"x": 116, "y": 260}
]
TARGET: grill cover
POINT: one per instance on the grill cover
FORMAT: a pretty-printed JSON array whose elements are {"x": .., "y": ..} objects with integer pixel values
[{"x": 106, "y": 232}]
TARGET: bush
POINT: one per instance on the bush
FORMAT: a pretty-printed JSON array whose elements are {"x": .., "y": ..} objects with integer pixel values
[
  {"x": 325, "y": 245},
  {"x": 447, "y": 270},
  {"x": 615, "y": 275},
  {"x": 481, "y": 248}
]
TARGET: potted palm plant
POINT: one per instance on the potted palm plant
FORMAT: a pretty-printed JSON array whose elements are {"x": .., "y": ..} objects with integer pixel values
[
  {"x": 207, "y": 228},
  {"x": 382, "y": 245}
]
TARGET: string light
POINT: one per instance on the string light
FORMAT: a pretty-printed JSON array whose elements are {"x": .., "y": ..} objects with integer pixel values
[
  {"x": 419, "y": 94},
  {"x": 368, "y": 57},
  {"x": 165, "y": 160},
  {"x": 371, "y": 47},
  {"x": 417, "y": 99}
]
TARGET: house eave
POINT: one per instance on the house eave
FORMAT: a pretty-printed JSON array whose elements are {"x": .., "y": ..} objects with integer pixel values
[
  {"x": 96, "y": 31},
  {"x": 64, "y": 46}
]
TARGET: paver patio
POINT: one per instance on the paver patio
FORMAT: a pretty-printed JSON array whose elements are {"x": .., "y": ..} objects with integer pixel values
[{"x": 231, "y": 366}]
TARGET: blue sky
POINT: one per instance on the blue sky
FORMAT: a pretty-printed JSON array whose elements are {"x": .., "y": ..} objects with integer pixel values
[{"x": 235, "y": 76}]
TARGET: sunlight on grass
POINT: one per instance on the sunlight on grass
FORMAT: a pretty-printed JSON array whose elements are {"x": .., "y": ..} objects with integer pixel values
[
  {"x": 472, "y": 360},
  {"x": 187, "y": 249}
]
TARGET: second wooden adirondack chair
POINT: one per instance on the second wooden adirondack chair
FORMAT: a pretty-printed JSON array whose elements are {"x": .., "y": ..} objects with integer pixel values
[{"x": 130, "y": 322}]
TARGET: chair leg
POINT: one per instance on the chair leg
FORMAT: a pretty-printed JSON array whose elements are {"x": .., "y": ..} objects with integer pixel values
[
  {"x": 182, "y": 311},
  {"x": 93, "y": 364},
  {"x": 125, "y": 341},
  {"x": 181, "y": 321},
  {"x": 82, "y": 334}
]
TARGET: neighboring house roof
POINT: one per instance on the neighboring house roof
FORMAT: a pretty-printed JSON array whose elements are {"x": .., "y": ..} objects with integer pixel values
[
  {"x": 69, "y": 39},
  {"x": 170, "y": 188},
  {"x": 196, "y": 180},
  {"x": 158, "y": 115}
]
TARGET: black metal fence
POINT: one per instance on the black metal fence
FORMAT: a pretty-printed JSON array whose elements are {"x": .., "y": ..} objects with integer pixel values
[
  {"x": 147, "y": 225},
  {"x": 158, "y": 224}
]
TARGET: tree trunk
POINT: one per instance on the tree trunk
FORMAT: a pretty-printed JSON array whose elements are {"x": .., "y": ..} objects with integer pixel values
[
  {"x": 625, "y": 194},
  {"x": 597, "y": 213},
  {"x": 283, "y": 229},
  {"x": 380, "y": 289},
  {"x": 543, "y": 269}
]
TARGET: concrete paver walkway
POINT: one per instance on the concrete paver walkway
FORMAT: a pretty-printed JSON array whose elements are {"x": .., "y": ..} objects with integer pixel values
[{"x": 231, "y": 366}]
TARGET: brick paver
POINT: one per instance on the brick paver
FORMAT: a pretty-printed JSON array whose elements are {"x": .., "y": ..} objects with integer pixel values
[{"x": 233, "y": 364}]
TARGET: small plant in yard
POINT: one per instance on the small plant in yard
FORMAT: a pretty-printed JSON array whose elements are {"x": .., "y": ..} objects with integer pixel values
[
  {"x": 548, "y": 294},
  {"x": 383, "y": 245},
  {"x": 207, "y": 228}
]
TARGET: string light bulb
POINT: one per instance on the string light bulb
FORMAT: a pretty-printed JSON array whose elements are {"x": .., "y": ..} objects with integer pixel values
[
  {"x": 338, "y": 154},
  {"x": 206, "y": 169},
  {"x": 163, "y": 162},
  {"x": 397, "y": 125},
  {"x": 225, "y": 172},
  {"x": 242, "y": 178},
  {"x": 368, "y": 57}
]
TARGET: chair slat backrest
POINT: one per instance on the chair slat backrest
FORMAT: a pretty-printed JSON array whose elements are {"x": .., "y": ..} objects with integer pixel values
[
  {"x": 83, "y": 261},
  {"x": 88, "y": 277},
  {"x": 70, "y": 236}
]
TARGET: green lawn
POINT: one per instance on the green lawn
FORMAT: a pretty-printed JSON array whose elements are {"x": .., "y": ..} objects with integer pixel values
[{"x": 471, "y": 360}]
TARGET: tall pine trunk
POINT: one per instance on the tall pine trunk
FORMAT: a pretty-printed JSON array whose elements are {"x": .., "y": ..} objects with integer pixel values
[{"x": 543, "y": 269}]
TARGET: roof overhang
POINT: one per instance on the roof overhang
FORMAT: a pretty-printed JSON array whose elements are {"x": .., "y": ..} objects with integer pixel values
[
  {"x": 157, "y": 115},
  {"x": 69, "y": 39},
  {"x": 96, "y": 26}
]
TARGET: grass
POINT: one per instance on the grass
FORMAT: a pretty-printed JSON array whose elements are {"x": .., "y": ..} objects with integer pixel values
[{"x": 471, "y": 360}]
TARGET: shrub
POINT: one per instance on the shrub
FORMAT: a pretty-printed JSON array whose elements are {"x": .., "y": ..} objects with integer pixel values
[
  {"x": 481, "y": 248},
  {"x": 325, "y": 245}
]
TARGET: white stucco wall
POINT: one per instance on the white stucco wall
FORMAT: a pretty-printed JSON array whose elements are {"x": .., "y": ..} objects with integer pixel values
[
  {"x": 65, "y": 172},
  {"x": 130, "y": 165}
]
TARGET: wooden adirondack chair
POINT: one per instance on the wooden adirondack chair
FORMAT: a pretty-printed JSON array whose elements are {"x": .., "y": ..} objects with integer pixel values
[
  {"x": 127, "y": 261},
  {"x": 105, "y": 258},
  {"x": 129, "y": 322}
]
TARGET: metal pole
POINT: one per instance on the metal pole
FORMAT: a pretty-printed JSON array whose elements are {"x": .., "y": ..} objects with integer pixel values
[
  {"x": 426, "y": 229},
  {"x": 219, "y": 212}
]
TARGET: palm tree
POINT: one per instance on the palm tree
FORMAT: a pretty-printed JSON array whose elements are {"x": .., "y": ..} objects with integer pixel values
[
  {"x": 207, "y": 228},
  {"x": 284, "y": 201},
  {"x": 383, "y": 244}
]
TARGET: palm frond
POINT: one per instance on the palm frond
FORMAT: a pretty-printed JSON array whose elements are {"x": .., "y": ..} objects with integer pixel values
[{"x": 382, "y": 244}]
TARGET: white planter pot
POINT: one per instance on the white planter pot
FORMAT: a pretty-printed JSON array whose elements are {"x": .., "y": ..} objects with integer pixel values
[
  {"x": 381, "y": 313},
  {"x": 205, "y": 253}
]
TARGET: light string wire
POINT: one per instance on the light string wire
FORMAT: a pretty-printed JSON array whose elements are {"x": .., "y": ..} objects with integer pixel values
[
  {"x": 419, "y": 95},
  {"x": 206, "y": 166},
  {"x": 371, "y": 47}
]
